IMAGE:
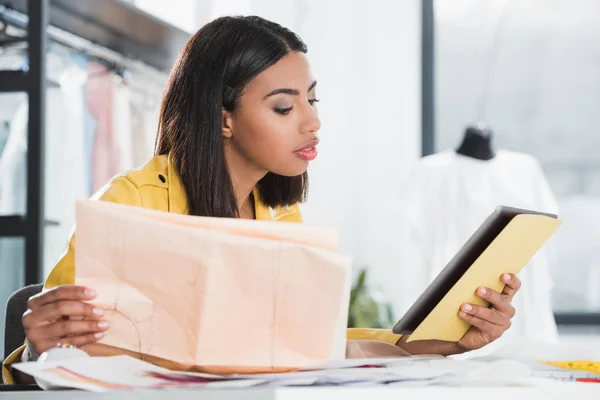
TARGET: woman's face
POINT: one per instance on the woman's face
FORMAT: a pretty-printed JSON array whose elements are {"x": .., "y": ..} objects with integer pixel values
[{"x": 274, "y": 128}]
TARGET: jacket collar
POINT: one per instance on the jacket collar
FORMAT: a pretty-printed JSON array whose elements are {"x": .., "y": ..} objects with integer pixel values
[{"x": 178, "y": 198}]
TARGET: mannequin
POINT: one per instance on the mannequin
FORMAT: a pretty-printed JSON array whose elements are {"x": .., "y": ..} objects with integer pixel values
[
  {"x": 477, "y": 143},
  {"x": 446, "y": 197}
]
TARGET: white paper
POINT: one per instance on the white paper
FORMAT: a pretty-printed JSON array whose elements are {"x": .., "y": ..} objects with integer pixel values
[
  {"x": 102, "y": 374},
  {"x": 379, "y": 361},
  {"x": 534, "y": 353}
]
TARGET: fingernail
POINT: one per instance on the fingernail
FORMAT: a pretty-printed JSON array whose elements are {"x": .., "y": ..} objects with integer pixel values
[
  {"x": 98, "y": 311},
  {"x": 462, "y": 314},
  {"x": 99, "y": 335},
  {"x": 482, "y": 291},
  {"x": 90, "y": 293},
  {"x": 467, "y": 307},
  {"x": 102, "y": 324},
  {"x": 508, "y": 277}
]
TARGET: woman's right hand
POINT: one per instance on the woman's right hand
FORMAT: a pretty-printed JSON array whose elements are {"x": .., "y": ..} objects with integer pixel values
[{"x": 60, "y": 316}]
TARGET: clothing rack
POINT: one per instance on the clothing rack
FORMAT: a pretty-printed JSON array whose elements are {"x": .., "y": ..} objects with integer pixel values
[
  {"x": 32, "y": 82},
  {"x": 110, "y": 31},
  {"x": 80, "y": 44}
]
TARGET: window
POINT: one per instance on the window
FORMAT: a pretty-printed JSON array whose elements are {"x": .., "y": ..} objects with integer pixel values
[
  {"x": 530, "y": 70},
  {"x": 12, "y": 270},
  {"x": 179, "y": 13}
]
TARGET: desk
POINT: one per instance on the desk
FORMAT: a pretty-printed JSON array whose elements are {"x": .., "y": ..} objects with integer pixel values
[{"x": 546, "y": 390}]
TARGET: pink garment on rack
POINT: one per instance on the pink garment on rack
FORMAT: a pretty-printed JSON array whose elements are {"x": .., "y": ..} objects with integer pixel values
[{"x": 99, "y": 95}]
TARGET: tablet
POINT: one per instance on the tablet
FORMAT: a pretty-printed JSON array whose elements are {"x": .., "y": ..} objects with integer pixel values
[{"x": 462, "y": 261}]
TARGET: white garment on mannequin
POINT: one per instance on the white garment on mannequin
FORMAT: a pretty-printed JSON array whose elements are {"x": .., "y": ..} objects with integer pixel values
[{"x": 444, "y": 201}]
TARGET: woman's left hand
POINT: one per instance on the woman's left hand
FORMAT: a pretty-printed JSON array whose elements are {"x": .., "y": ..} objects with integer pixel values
[{"x": 488, "y": 324}]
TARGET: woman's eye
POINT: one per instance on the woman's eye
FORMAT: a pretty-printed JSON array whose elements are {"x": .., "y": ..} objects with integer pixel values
[
  {"x": 312, "y": 102},
  {"x": 283, "y": 111}
]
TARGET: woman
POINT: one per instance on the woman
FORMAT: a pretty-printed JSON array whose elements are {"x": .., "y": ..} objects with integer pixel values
[{"x": 237, "y": 130}]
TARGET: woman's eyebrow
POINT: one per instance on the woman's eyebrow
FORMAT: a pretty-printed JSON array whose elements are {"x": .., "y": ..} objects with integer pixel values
[{"x": 293, "y": 92}]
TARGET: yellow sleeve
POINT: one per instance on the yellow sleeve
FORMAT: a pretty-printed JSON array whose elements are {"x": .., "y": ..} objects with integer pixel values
[
  {"x": 119, "y": 190},
  {"x": 15, "y": 357},
  {"x": 382, "y": 335}
]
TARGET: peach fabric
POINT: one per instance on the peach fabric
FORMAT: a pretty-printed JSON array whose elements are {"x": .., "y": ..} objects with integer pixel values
[
  {"x": 99, "y": 95},
  {"x": 213, "y": 294}
]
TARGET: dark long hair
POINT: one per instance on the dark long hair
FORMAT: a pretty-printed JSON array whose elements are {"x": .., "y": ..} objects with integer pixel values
[{"x": 209, "y": 75}]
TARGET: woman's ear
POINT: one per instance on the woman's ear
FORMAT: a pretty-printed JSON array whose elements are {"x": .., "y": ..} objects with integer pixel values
[{"x": 227, "y": 123}]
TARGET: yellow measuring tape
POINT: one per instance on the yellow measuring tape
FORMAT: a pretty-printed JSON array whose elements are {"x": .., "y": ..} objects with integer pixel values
[{"x": 586, "y": 366}]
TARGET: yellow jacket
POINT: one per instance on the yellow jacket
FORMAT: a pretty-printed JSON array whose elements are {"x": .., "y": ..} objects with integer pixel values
[{"x": 157, "y": 186}]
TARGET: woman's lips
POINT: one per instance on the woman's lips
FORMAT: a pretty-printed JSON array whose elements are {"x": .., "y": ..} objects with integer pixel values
[
  {"x": 309, "y": 151},
  {"x": 308, "y": 154}
]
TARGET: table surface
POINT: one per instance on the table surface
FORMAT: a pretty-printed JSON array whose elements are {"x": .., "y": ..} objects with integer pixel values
[{"x": 546, "y": 390}]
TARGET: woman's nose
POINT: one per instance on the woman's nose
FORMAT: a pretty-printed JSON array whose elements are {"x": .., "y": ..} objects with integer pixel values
[{"x": 311, "y": 123}]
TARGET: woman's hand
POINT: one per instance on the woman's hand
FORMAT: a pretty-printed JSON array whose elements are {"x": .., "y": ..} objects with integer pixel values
[
  {"x": 60, "y": 316},
  {"x": 488, "y": 324}
]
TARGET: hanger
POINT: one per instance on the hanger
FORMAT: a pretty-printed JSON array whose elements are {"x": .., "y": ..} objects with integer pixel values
[
  {"x": 477, "y": 142},
  {"x": 111, "y": 67}
]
